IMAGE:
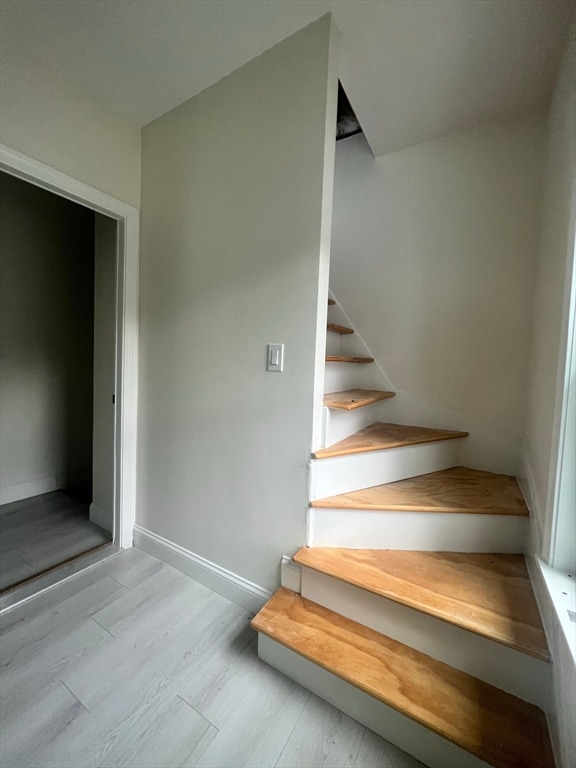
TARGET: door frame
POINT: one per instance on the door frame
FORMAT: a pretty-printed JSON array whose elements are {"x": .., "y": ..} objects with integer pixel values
[{"x": 127, "y": 273}]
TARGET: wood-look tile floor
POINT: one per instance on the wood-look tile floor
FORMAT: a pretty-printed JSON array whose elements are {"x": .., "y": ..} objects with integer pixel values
[
  {"x": 43, "y": 531},
  {"x": 134, "y": 664}
]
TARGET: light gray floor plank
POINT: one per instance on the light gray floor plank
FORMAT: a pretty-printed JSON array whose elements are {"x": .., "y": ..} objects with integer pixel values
[
  {"x": 43, "y": 531},
  {"x": 164, "y": 733},
  {"x": 30, "y": 725},
  {"x": 13, "y": 568},
  {"x": 134, "y": 664},
  {"x": 132, "y": 567},
  {"x": 148, "y": 662},
  {"x": 256, "y": 732},
  {"x": 50, "y": 660},
  {"x": 155, "y": 604},
  {"x": 374, "y": 752},
  {"x": 24, "y": 638},
  {"x": 323, "y": 736},
  {"x": 218, "y": 685}
]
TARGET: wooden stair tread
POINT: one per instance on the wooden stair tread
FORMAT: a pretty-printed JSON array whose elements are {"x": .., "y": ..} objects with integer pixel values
[
  {"x": 458, "y": 489},
  {"x": 349, "y": 399},
  {"x": 488, "y": 594},
  {"x": 341, "y": 329},
  {"x": 383, "y": 435},
  {"x": 346, "y": 359},
  {"x": 497, "y": 727},
  {"x": 331, "y": 302}
]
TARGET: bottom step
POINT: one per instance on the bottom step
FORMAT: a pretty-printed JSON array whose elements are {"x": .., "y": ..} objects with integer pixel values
[{"x": 481, "y": 724}]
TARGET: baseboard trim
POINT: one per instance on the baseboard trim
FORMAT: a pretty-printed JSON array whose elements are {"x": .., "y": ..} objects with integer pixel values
[
  {"x": 27, "y": 490},
  {"x": 102, "y": 517},
  {"x": 230, "y": 585}
]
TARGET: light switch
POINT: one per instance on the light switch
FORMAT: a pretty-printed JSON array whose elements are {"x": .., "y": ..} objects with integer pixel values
[{"x": 276, "y": 357}]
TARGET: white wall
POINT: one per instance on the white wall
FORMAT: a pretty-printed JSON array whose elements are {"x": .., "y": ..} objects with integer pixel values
[
  {"x": 47, "y": 258},
  {"x": 233, "y": 211},
  {"x": 102, "y": 507},
  {"x": 433, "y": 253},
  {"x": 56, "y": 123},
  {"x": 550, "y": 304}
]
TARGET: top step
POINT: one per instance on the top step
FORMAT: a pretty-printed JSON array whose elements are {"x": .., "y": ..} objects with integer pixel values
[
  {"x": 331, "y": 302},
  {"x": 383, "y": 435}
]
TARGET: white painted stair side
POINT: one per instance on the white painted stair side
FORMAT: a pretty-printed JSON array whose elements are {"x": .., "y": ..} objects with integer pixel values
[
  {"x": 517, "y": 673},
  {"x": 416, "y": 531},
  {"x": 423, "y": 744},
  {"x": 341, "y": 474}
]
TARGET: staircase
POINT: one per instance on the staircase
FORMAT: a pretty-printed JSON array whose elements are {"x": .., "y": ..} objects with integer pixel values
[{"x": 414, "y": 612}]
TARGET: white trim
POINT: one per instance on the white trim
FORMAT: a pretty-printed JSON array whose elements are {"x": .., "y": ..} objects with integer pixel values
[
  {"x": 559, "y": 555},
  {"x": 236, "y": 588},
  {"x": 27, "y": 490},
  {"x": 566, "y": 346},
  {"x": 554, "y": 594},
  {"x": 23, "y": 167}
]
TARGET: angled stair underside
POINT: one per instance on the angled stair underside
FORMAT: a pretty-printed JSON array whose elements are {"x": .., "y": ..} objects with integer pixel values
[
  {"x": 498, "y": 728},
  {"x": 383, "y": 435},
  {"x": 489, "y": 594}
]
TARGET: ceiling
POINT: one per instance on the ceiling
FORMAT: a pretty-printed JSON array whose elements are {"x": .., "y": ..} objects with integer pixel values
[{"x": 413, "y": 69}]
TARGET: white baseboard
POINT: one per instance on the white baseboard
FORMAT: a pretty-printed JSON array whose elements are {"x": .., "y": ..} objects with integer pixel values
[
  {"x": 230, "y": 585},
  {"x": 27, "y": 490},
  {"x": 102, "y": 517},
  {"x": 431, "y": 749}
]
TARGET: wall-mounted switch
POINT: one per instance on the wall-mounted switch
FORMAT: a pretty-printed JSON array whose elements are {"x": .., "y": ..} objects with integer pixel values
[{"x": 275, "y": 357}]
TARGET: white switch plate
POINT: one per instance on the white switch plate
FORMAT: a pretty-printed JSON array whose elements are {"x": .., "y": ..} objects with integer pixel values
[{"x": 275, "y": 357}]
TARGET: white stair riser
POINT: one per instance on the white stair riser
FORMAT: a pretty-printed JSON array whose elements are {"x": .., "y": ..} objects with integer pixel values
[
  {"x": 422, "y": 531},
  {"x": 341, "y": 424},
  {"x": 340, "y": 474},
  {"x": 340, "y": 376},
  {"x": 406, "y": 734},
  {"x": 508, "y": 669}
]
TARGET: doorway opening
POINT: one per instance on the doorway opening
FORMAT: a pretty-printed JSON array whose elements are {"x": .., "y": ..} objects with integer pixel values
[
  {"x": 57, "y": 335},
  {"x": 69, "y": 376}
]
